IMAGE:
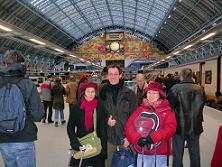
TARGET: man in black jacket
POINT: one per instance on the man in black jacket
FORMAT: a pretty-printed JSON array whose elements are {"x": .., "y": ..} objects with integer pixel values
[
  {"x": 18, "y": 149},
  {"x": 187, "y": 99},
  {"x": 120, "y": 102}
]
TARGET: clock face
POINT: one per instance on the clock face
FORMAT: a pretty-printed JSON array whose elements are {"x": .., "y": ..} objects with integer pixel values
[{"x": 114, "y": 46}]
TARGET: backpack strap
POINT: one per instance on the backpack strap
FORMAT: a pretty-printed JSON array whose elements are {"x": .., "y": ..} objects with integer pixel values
[{"x": 94, "y": 120}]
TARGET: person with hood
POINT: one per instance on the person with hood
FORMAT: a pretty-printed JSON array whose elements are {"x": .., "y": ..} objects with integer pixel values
[
  {"x": 81, "y": 123},
  {"x": 18, "y": 149},
  {"x": 151, "y": 127}
]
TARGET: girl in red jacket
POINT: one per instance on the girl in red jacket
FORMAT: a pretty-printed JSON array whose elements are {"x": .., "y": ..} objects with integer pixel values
[{"x": 151, "y": 126}]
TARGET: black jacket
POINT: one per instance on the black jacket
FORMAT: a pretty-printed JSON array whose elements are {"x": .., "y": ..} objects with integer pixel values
[
  {"x": 16, "y": 73},
  {"x": 76, "y": 120},
  {"x": 187, "y": 100},
  {"x": 120, "y": 105}
]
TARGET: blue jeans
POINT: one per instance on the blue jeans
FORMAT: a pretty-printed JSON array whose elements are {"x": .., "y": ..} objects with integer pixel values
[
  {"x": 18, "y": 154},
  {"x": 149, "y": 160},
  {"x": 57, "y": 112}
]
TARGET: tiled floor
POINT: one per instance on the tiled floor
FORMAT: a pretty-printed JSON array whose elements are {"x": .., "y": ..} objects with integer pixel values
[{"x": 52, "y": 146}]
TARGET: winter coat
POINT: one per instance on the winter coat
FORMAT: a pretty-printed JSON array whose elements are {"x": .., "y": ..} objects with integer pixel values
[
  {"x": 46, "y": 88},
  {"x": 76, "y": 120},
  {"x": 71, "y": 93},
  {"x": 187, "y": 100},
  {"x": 35, "y": 111},
  {"x": 57, "y": 95},
  {"x": 167, "y": 127},
  {"x": 126, "y": 104}
]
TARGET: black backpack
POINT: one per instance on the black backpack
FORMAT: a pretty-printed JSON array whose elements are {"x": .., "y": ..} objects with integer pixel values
[{"x": 12, "y": 108}]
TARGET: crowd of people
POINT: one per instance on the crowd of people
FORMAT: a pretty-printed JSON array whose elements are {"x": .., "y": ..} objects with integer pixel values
[{"x": 151, "y": 121}]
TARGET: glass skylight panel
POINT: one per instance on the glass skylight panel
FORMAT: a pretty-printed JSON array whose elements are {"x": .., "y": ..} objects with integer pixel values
[
  {"x": 79, "y": 21},
  {"x": 84, "y": 4},
  {"x": 47, "y": 8},
  {"x": 116, "y": 13},
  {"x": 129, "y": 3},
  {"x": 63, "y": 4},
  {"x": 104, "y": 14},
  {"x": 101, "y": 8},
  {"x": 115, "y": 2},
  {"x": 107, "y": 23},
  {"x": 77, "y": 34},
  {"x": 129, "y": 16},
  {"x": 118, "y": 20},
  {"x": 68, "y": 10},
  {"x": 104, "y": 19},
  {"x": 129, "y": 24},
  {"x": 129, "y": 10},
  {"x": 98, "y": 2},
  {"x": 142, "y": 14}
]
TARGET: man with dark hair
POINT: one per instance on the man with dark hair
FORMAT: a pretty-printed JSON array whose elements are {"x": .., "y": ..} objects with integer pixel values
[
  {"x": 17, "y": 149},
  {"x": 187, "y": 99},
  {"x": 120, "y": 102}
]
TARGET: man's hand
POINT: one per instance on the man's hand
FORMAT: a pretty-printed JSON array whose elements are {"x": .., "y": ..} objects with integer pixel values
[{"x": 111, "y": 121}]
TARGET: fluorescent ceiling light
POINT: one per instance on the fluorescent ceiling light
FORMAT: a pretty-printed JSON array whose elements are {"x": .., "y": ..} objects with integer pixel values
[
  {"x": 176, "y": 52},
  {"x": 36, "y": 41},
  {"x": 208, "y": 36},
  {"x": 5, "y": 28},
  {"x": 72, "y": 55},
  {"x": 188, "y": 46},
  {"x": 59, "y": 50}
]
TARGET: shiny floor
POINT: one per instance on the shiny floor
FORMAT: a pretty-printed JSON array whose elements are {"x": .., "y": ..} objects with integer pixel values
[{"x": 52, "y": 147}]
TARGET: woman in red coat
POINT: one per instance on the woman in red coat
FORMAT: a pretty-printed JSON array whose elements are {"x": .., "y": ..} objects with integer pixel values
[{"x": 151, "y": 126}]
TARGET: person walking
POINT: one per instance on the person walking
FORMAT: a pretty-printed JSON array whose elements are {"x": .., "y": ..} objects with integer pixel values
[
  {"x": 151, "y": 127},
  {"x": 120, "y": 102},
  {"x": 187, "y": 100},
  {"x": 18, "y": 149},
  {"x": 81, "y": 123}
]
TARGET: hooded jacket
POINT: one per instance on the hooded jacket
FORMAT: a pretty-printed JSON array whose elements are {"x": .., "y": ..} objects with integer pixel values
[
  {"x": 166, "y": 129},
  {"x": 15, "y": 73}
]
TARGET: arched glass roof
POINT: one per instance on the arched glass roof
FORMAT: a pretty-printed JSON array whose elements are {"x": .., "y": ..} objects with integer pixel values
[{"x": 81, "y": 17}]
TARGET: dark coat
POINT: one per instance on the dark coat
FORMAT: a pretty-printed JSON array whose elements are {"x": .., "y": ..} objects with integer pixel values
[
  {"x": 126, "y": 103},
  {"x": 187, "y": 100},
  {"x": 34, "y": 106},
  {"x": 76, "y": 120},
  {"x": 57, "y": 96}
]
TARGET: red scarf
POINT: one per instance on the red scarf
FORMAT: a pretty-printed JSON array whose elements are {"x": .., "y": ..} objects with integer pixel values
[{"x": 88, "y": 106}]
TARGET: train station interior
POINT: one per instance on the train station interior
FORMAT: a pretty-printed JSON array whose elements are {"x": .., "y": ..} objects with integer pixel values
[{"x": 76, "y": 38}]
